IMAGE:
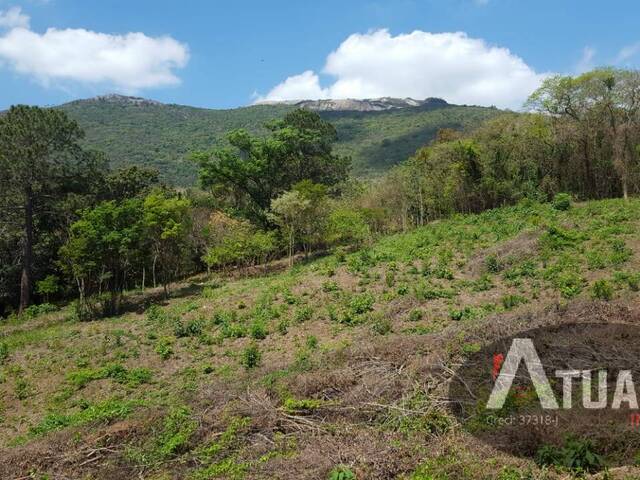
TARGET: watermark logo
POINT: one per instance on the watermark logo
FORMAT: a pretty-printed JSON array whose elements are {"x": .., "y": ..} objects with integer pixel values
[
  {"x": 537, "y": 388},
  {"x": 523, "y": 351}
]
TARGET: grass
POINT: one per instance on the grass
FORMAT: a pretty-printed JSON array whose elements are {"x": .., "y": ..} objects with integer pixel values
[{"x": 238, "y": 381}]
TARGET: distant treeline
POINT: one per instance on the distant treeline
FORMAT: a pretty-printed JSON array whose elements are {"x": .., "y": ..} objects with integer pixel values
[{"x": 72, "y": 228}]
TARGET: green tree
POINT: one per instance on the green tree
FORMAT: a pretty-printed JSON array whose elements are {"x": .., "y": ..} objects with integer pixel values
[
  {"x": 39, "y": 155},
  {"x": 103, "y": 252},
  {"x": 166, "y": 220},
  {"x": 252, "y": 171},
  {"x": 129, "y": 182},
  {"x": 288, "y": 212},
  {"x": 236, "y": 242}
]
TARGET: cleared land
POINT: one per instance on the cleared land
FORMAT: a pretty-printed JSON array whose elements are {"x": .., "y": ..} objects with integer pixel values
[{"x": 339, "y": 364}]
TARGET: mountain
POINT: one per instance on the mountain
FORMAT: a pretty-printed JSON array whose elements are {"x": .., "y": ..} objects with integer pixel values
[{"x": 377, "y": 133}]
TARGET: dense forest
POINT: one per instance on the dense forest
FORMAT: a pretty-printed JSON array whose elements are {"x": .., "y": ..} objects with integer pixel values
[{"x": 72, "y": 227}]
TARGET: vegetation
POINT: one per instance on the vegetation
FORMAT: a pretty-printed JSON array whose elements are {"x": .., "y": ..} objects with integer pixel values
[
  {"x": 219, "y": 347},
  {"x": 162, "y": 137}
]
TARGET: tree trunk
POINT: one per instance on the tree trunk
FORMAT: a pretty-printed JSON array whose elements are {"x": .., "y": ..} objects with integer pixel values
[
  {"x": 153, "y": 271},
  {"x": 26, "y": 281},
  {"x": 291, "y": 248}
]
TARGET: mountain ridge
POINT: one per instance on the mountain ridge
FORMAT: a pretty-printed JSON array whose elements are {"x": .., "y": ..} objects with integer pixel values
[{"x": 140, "y": 131}]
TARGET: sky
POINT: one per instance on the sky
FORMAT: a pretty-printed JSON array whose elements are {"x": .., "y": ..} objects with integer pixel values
[{"x": 227, "y": 54}]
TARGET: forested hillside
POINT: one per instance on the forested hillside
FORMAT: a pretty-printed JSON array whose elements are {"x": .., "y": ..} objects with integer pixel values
[{"x": 152, "y": 134}]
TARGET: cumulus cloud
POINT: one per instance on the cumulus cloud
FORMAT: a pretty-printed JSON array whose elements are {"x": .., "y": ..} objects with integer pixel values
[
  {"x": 420, "y": 64},
  {"x": 128, "y": 62},
  {"x": 13, "y": 18}
]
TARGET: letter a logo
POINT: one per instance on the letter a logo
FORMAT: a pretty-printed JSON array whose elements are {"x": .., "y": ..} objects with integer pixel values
[{"x": 522, "y": 349}]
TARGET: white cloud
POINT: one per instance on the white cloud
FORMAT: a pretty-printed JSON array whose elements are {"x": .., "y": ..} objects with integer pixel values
[
  {"x": 303, "y": 86},
  {"x": 13, "y": 18},
  {"x": 627, "y": 52},
  {"x": 420, "y": 64},
  {"x": 586, "y": 60},
  {"x": 128, "y": 62}
]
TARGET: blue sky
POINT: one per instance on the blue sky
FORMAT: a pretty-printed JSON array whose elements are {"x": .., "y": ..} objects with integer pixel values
[{"x": 223, "y": 54}]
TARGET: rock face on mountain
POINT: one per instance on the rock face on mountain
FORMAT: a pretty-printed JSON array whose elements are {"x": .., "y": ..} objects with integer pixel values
[
  {"x": 365, "y": 105},
  {"x": 114, "y": 98}
]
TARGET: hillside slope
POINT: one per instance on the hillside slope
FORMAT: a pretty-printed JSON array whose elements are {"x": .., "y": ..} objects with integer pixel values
[
  {"x": 143, "y": 132},
  {"x": 339, "y": 363}
]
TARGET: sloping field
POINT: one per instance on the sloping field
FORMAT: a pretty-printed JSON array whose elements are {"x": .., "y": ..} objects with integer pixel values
[{"x": 338, "y": 368}]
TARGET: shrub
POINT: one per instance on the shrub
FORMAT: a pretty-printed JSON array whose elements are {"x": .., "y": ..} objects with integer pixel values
[
  {"x": 361, "y": 303},
  {"x": 602, "y": 290},
  {"x": 512, "y": 301},
  {"x": 381, "y": 325},
  {"x": 178, "y": 429},
  {"x": 561, "y": 201},
  {"x": 330, "y": 286},
  {"x": 164, "y": 347},
  {"x": 390, "y": 279},
  {"x": 37, "y": 310},
  {"x": 258, "y": 330},
  {"x": 493, "y": 264},
  {"x": 155, "y": 314},
  {"x": 415, "y": 315},
  {"x": 341, "y": 473},
  {"x": 311, "y": 342},
  {"x": 191, "y": 328},
  {"x": 303, "y": 314},
  {"x": 576, "y": 455},
  {"x": 291, "y": 405},
  {"x": 251, "y": 356},
  {"x": 569, "y": 284},
  {"x": 466, "y": 313}
]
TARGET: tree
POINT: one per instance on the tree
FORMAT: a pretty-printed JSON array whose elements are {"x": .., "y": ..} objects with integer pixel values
[
  {"x": 288, "y": 212},
  {"x": 166, "y": 220},
  {"x": 38, "y": 152},
  {"x": 236, "y": 242},
  {"x": 313, "y": 219},
  {"x": 252, "y": 171},
  {"x": 129, "y": 182},
  {"x": 105, "y": 247},
  {"x": 599, "y": 112}
]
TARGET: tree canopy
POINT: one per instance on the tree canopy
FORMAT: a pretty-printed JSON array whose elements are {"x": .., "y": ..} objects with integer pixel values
[{"x": 252, "y": 171}]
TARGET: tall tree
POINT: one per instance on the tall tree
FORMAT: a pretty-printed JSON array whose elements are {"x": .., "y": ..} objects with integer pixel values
[
  {"x": 38, "y": 153},
  {"x": 252, "y": 171}
]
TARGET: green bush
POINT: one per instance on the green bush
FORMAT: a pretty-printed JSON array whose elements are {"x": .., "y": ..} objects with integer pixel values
[
  {"x": 602, "y": 290},
  {"x": 361, "y": 303},
  {"x": 561, "y": 201},
  {"x": 342, "y": 473},
  {"x": 251, "y": 356},
  {"x": 164, "y": 347},
  {"x": 303, "y": 314},
  {"x": 258, "y": 330},
  {"x": 37, "y": 310},
  {"x": 511, "y": 301},
  {"x": 576, "y": 455},
  {"x": 415, "y": 315},
  {"x": 381, "y": 325},
  {"x": 191, "y": 328},
  {"x": 493, "y": 264}
]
